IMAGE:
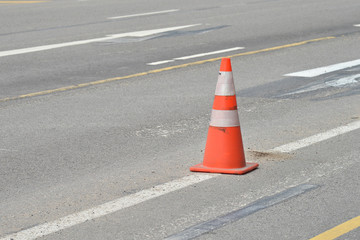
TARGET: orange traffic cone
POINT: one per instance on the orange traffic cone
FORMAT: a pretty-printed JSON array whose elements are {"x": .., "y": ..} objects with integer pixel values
[{"x": 224, "y": 151}]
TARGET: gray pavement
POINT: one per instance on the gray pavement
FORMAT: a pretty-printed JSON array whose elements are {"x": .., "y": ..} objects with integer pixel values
[{"x": 65, "y": 152}]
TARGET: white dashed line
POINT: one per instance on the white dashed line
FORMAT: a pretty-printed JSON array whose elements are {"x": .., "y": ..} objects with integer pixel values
[
  {"x": 196, "y": 56},
  {"x": 317, "y": 138},
  {"x": 160, "y": 62},
  {"x": 144, "y": 14}
]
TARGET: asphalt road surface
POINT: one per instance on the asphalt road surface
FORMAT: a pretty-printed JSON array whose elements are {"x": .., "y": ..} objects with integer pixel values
[{"x": 104, "y": 106}]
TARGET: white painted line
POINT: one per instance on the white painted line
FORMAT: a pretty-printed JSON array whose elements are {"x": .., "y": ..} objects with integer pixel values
[
  {"x": 156, "y": 191},
  {"x": 322, "y": 70},
  {"x": 160, "y": 62},
  {"x": 7, "y": 150},
  {"x": 357, "y": 25},
  {"x": 108, "y": 208},
  {"x": 196, "y": 55},
  {"x": 209, "y": 53},
  {"x": 144, "y": 14},
  {"x": 81, "y": 42},
  {"x": 317, "y": 138}
]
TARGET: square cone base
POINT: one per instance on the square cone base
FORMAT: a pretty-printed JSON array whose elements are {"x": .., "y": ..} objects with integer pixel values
[{"x": 201, "y": 168}]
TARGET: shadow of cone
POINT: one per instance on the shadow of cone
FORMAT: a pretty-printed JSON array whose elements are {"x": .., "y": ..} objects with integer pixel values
[{"x": 224, "y": 151}]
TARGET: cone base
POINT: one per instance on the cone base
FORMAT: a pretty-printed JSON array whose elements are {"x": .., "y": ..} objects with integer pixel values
[{"x": 201, "y": 168}]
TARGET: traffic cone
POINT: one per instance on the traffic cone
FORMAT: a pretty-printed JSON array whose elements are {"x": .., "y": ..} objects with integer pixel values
[{"x": 224, "y": 151}]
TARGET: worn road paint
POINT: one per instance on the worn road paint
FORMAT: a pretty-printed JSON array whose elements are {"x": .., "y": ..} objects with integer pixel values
[{"x": 342, "y": 82}]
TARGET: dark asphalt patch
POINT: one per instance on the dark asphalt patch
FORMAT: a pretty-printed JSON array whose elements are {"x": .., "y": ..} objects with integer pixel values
[{"x": 263, "y": 203}]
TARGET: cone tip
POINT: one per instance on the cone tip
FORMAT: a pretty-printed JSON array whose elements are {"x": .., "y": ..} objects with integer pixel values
[{"x": 225, "y": 65}]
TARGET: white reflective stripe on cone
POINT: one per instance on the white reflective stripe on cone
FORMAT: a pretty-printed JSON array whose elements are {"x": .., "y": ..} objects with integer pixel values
[
  {"x": 225, "y": 84},
  {"x": 224, "y": 118}
]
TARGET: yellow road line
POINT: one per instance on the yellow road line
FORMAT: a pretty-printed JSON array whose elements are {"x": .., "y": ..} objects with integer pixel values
[
  {"x": 339, "y": 230},
  {"x": 159, "y": 70},
  {"x": 21, "y": 2}
]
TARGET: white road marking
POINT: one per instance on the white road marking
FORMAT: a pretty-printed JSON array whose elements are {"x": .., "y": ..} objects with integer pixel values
[
  {"x": 357, "y": 25},
  {"x": 317, "y": 138},
  {"x": 160, "y": 62},
  {"x": 81, "y": 42},
  {"x": 144, "y": 14},
  {"x": 157, "y": 191},
  {"x": 7, "y": 150},
  {"x": 322, "y": 70},
  {"x": 196, "y": 55},
  {"x": 107, "y": 208},
  {"x": 209, "y": 53}
]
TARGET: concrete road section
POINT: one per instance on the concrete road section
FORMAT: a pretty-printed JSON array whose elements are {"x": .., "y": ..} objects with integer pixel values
[{"x": 104, "y": 106}]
